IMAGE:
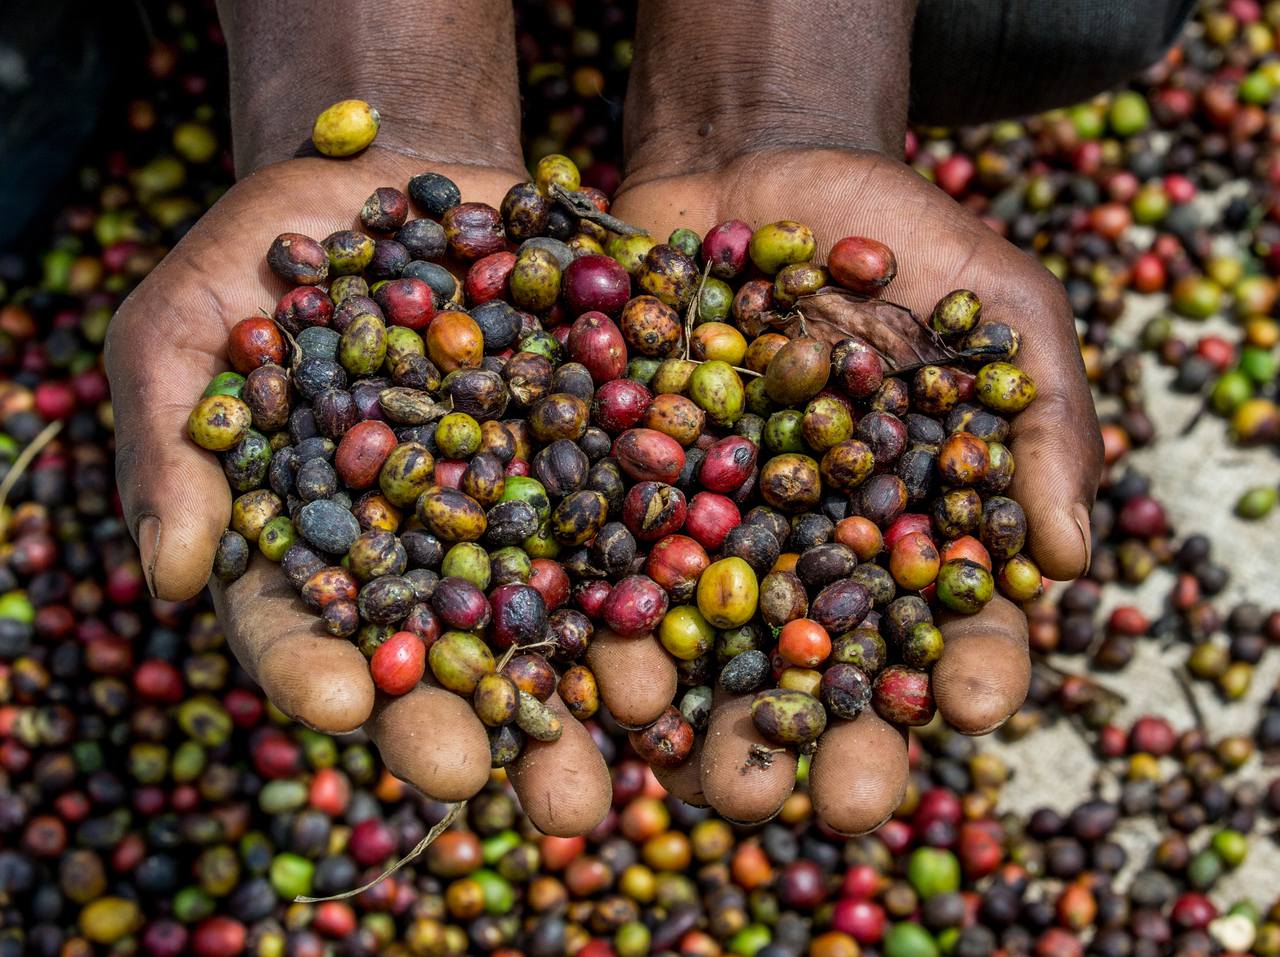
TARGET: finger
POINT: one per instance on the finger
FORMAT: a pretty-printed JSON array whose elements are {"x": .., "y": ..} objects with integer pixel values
[
  {"x": 745, "y": 777},
  {"x": 1056, "y": 442},
  {"x": 432, "y": 738},
  {"x": 321, "y": 681},
  {"x": 175, "y": 498},
  {"x": 985, "y": 668},
  {"x": 684, "y": 781},
  {"x": 636, "y": 676},
  {"x": 859, "y": 774},
  {"x": 564, "y": 784}
]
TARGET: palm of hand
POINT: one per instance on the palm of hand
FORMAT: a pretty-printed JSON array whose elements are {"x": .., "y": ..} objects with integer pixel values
[
  {"x": 859, "y": 771},
  {"x": 167, "y": 340},
  {"x": 216, "y": 276}
]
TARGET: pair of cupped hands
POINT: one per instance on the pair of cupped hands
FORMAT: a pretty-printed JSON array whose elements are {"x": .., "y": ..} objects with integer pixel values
[{"x": 169, "y": 338}]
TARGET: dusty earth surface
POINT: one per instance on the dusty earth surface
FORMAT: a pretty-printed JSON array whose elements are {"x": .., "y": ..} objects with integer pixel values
[{"x": 1197, "y": 476}]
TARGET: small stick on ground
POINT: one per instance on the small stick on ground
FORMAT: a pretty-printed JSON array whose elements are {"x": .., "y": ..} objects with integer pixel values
[
  {"x": 23, "y": 462},
  {"x": 455, "y": 811},
  {"x": 1193, "y": 705},
  {"x": 1195, "y": 419}
]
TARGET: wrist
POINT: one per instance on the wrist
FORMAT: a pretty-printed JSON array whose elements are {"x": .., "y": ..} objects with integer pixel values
[
  {"x": 444, "y": 85},
  {"x": 700, "y": 98}
]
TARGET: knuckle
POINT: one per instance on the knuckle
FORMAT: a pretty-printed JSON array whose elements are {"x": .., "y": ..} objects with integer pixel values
[
  {"x": 119, "y": 340},
  {"x": 1034, "y": 291}
]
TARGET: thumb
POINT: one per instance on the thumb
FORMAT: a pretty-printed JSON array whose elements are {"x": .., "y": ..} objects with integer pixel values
[
  {"x": 1056, "y": 442},
  {"x": 1056, "y": 448},
  {"x": 175, "y": 499}
]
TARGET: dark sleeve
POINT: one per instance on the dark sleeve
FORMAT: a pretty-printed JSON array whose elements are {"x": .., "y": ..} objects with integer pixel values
[
  {"x": 979, "y": 60},
  {"x": 54, "y": 75}
]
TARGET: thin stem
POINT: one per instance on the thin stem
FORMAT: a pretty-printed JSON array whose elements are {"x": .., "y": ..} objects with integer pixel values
[
  {"x": 454, "y": 812},
  {"x": 1192, "y": 704},
  {"x": 511, "y": 652},
  {"x": 26, "y": 457},
  {"x": 581, "y": 206},
  {"x": 693, "y": 304}
]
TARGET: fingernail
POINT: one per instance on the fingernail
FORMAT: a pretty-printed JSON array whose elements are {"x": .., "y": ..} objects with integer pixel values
[
  {"x": 149, "y": 549},
  {"x": 1081, "y": 515}
]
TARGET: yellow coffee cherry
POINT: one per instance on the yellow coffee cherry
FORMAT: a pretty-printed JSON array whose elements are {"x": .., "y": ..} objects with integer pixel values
[{"x": 345, "y": 128}]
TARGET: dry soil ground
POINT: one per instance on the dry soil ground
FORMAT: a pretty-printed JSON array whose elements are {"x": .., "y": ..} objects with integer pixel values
[{"x": 1198, "y": 476}]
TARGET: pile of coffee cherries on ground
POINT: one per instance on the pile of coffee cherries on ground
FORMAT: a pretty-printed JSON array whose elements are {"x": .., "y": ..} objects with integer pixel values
[
  {"x": 1132, "y": 539},
  {"x": 402, "y": 443}
]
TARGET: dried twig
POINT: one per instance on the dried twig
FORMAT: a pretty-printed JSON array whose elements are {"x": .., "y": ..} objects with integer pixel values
[
  {"x": 1197, "y": 713},
  {"x": 295, "y": 351},
  {"x": 581, "y": 206},
  {"x": 25, "y": 458},
  {"x": 801, "y": 322},
  {"x": 1195, "y": 419},
  {"x": 990, "y": 352},
  {"x": 1061, "y": 673},
  {"x": 693, "y": 305},
  {"x": 511, "y": 652},
  {"x": 454, "y": 812}
]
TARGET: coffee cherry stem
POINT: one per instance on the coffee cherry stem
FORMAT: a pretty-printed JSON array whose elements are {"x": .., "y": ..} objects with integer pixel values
[
  {"x": 295, "y": 353},
  {"x": 688, "y": 324},
  {"x": 693, "y": 305},
  {"x": 804, "y": 325},
  {"x": 951, "y": 356},
  {"x": 760, "y": 757},
  {"x": 583, "y": 208},
  {"x": 514, "y": 649}
]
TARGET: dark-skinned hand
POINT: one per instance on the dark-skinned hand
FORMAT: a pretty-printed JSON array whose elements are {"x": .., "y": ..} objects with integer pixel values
[
  {"x": 177, "y": 501},
  {"x": 859, "y": 771},
  {"x": 165, "y": 343}
]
